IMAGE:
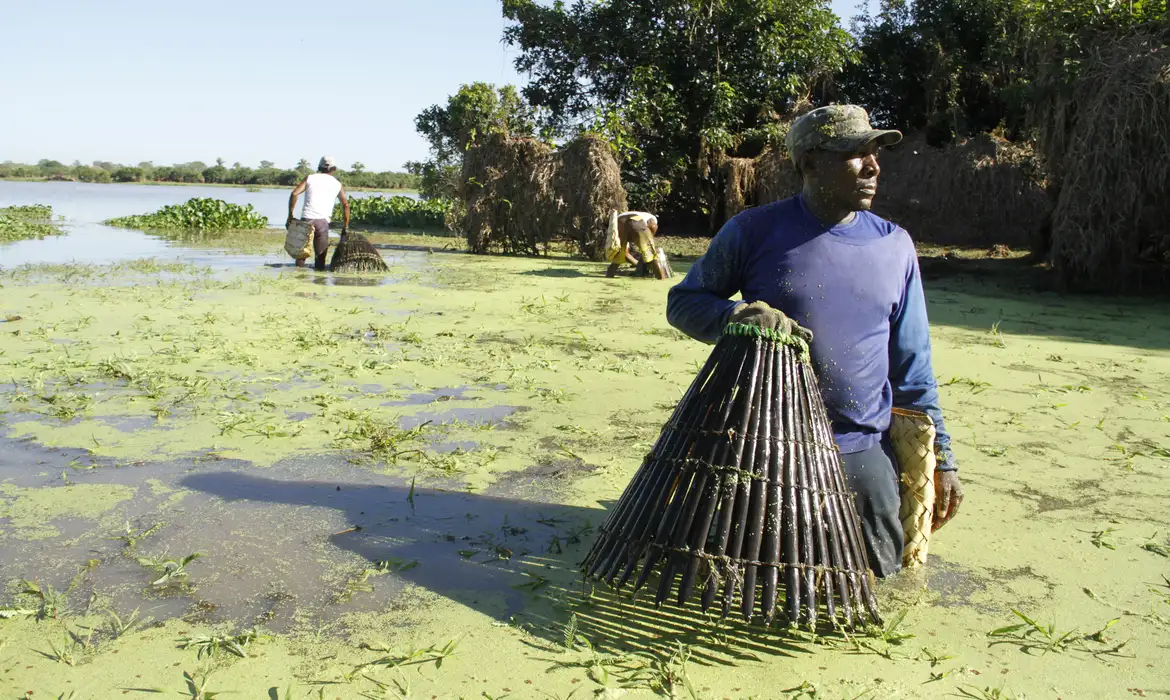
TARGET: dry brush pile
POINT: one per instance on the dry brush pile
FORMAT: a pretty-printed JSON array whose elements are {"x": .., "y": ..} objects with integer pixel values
[
  {"x": 1108, "y": 142},
  {"x": 521, "y": 195},
  {"x": 981, "y": 191}
]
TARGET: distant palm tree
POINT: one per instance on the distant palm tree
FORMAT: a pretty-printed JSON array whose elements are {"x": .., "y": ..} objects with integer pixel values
[{"x": 358, "y": 166}]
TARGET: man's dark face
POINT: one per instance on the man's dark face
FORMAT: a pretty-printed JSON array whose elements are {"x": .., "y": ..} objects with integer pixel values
[{"x": 845, "y": 180}]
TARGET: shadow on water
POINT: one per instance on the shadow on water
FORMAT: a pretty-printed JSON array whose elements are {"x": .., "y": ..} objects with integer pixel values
[
  {"x": 561, "y": 272},
  {"x": 471, "y": 548},
  {"x": 495, "y": 554}
]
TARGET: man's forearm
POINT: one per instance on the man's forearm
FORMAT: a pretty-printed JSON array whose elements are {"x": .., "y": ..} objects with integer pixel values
[
  {"x": 292, "y": 205},
  {"x": 911, "y": 368},
  {"x": 700, "y": 305},
  {"x": 698, "y": 313}
]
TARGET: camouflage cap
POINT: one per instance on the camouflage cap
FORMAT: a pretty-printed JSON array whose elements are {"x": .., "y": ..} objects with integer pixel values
[{"x": 842, "y": 128}]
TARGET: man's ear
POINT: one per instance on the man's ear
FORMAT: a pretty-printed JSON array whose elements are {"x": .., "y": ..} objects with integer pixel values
[{"x": 805, "y": 165}]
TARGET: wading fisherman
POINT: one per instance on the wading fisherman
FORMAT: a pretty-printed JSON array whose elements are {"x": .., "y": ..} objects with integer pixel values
[
  {"x": 321, "y": 190},
  {"x": 635, "y": 233},
  {"x": 850, "y": 279}
]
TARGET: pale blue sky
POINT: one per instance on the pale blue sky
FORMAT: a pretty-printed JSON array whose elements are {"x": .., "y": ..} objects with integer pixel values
[{"x": 249, "y": 80}]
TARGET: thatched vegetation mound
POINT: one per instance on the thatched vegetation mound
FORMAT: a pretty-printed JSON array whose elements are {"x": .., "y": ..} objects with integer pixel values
[
  {"x": 750, "y": 182},
  {"x": 521, "y": 195},
  {"x": 982, "y": 191},
  {"x": 1111, "y": 150}
]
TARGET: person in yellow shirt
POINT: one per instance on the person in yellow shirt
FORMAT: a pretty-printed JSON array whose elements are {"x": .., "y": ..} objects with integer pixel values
[{"x": 635, "y": 233}]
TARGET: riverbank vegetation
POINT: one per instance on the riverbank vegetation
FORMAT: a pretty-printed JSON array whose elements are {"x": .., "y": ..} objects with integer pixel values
[
  {"x": 397, "y": 212},
  {"x": 197, "y": 172}
]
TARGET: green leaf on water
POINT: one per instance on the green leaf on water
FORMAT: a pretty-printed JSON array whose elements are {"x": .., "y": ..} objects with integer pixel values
[{"x": 1160, "y": 550}]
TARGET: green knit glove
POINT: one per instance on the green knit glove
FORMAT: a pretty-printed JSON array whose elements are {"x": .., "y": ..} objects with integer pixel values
[{"x": 758, "y": 313}]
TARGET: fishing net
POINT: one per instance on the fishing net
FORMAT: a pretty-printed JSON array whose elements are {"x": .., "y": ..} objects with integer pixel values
[
  {"x": 912, "y": 437},
  {"x": 743, "y": 496},
  {"x": 356, "y": 254}
]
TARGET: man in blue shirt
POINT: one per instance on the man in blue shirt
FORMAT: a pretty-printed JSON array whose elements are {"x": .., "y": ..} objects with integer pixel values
[{"x": 821, "y": 265}]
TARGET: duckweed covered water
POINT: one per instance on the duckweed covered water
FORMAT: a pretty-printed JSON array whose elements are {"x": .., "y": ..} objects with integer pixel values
[{"x": 373, "y": 472}]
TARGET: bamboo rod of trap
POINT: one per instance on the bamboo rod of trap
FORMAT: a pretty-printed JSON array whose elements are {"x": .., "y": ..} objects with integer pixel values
[
  {"x": 741, "y": 482},
  {"x": 754, "y": 523},
  {"x": 629, "y": 536},
  {"x": 702, "y": 497},
  {"x": 661, "y": 539}
]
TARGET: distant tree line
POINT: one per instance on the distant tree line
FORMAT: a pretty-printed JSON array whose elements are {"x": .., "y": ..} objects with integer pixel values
[{"x": 198, "y": 172}]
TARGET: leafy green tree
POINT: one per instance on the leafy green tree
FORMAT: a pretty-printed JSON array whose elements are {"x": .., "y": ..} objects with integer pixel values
[
  {"x": 264, "y": 164},
  {"x": 216, "y": 173},
  {"x": 958, "y": 67},
  {"x": 475, "y": 110},
  {"x": 676, "y": 82},
  {"x": 128, "y": 174}
]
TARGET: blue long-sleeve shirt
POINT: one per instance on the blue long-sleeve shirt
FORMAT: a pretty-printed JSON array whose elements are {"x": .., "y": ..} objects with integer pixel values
[{"x": 856, "y": 286}]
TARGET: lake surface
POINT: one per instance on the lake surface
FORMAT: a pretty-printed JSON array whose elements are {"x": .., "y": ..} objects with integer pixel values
[{"x": 86, "y": 205}]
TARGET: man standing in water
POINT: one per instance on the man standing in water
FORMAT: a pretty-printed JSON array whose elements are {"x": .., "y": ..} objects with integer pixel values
[
  {"x": 852, "y": 280},
  {"x": 321, "y": 190}
]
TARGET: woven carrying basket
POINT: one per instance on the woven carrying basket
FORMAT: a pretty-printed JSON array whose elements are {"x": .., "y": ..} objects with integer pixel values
[
  {"x": 743, "y": 497},
  {"x": 912, "y": 437},
  {"x": 298, "y": 242}
]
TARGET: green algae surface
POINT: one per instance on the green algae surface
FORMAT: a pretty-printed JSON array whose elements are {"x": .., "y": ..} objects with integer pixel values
[{"x": 401, "y": 474}]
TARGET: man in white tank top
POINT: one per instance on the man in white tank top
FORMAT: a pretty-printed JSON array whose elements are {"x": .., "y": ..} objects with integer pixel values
[{"x": 321, "y": 190}]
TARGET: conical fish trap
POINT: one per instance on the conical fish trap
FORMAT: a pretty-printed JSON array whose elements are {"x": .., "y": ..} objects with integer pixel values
[
  {"x": 743, "y": 495},
  {"x": 356, "y": 254}
]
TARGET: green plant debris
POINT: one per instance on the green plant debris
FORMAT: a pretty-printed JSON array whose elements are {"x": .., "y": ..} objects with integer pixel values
[
  {"x": 172, "y": 571},
  {"x": 210, "y": 645},
  {"x": 1031, "y": 636},
  {"x": 431, "y": 654}
]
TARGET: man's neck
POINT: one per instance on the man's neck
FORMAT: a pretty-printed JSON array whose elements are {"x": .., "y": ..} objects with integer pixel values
[{"x": 827, "y": 213}]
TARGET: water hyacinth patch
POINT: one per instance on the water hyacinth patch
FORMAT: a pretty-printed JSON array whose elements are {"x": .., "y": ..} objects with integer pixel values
[
  {"x": 197, "y": 214},
  {"x": 27, "y": 221}
]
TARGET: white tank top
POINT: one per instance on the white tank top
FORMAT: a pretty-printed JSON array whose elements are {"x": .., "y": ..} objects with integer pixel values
[{"x": 321, "y": 190}]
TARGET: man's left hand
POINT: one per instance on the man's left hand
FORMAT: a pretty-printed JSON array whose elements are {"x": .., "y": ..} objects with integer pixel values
[
  {"x": 948, "y": 495},
  {"x": 345, "y": 230}
]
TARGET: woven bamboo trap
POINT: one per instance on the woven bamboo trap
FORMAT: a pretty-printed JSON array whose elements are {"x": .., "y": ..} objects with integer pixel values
[
  {"x": 356, "y": 254},
  {"x": 743, "y": 497}
]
